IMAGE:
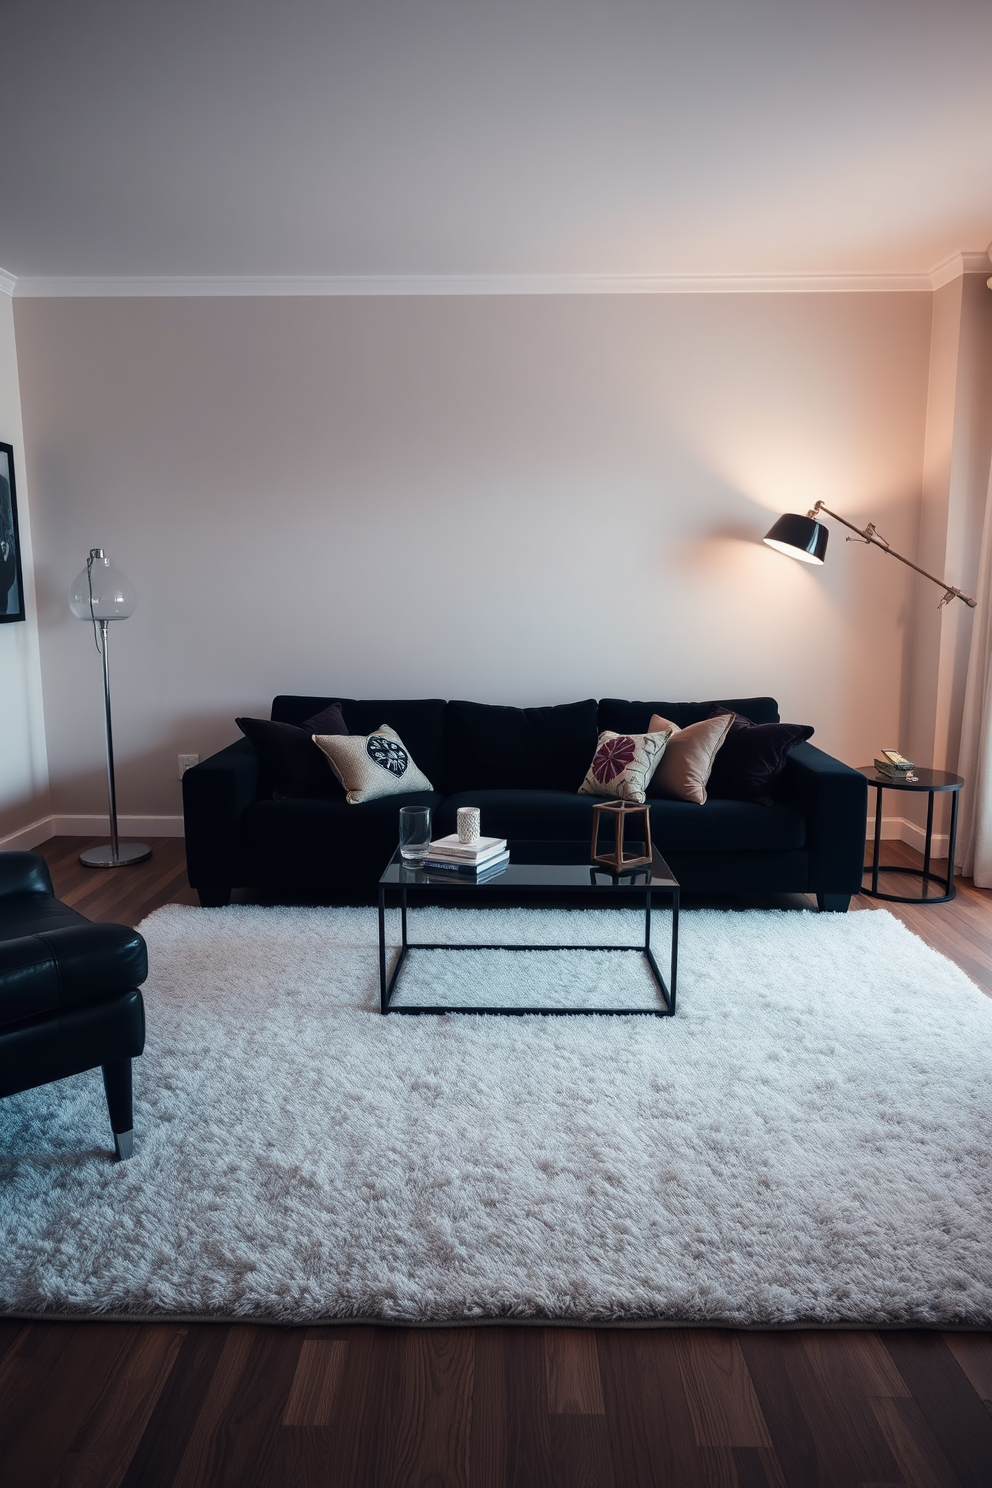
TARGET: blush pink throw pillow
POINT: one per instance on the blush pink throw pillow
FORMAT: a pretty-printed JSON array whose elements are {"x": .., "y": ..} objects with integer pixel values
[{"x": 684, "y": 768}]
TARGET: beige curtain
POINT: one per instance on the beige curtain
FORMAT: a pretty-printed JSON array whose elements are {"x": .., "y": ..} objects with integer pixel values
[{"x": 975, "y": 836}]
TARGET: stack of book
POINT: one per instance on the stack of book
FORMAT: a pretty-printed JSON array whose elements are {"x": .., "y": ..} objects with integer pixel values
[
  {"x": 895, "y": 765},
  {"x": 475, "y": 861}
]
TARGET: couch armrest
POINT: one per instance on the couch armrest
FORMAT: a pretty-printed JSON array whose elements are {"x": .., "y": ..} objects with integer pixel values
[
  {"x": 834, "y": 800},
  {"x": 215, "y": 793},
  {"x": 24, "y": 873},
  {"x": 49, "y": 972}
]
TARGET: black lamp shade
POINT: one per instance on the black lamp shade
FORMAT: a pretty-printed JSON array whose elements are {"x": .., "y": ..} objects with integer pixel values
[{"x": 799, "y": 537}]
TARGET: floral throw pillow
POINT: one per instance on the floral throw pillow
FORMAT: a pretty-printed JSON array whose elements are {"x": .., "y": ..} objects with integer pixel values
[
  {"x": 372, "y": 765},
  {"x": 623, "y": 765}
]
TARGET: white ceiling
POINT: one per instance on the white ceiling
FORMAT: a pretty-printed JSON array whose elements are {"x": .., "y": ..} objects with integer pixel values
[{"x": 493, "y": 137}]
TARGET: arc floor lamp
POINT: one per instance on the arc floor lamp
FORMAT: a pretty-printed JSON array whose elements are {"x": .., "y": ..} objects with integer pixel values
[
  {"x": 100, "y": 593},
  {"x": 806, "y": 539}
]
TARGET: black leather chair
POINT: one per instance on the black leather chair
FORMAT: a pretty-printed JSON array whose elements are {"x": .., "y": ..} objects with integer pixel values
[{"x": 69, "y": 996}]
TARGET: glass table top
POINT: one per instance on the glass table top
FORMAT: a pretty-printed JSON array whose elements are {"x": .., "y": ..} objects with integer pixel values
[{"x": 549, "y": 865}]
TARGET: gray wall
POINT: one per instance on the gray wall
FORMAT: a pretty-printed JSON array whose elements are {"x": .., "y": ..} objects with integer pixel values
[{"x": 524, "y": 499}]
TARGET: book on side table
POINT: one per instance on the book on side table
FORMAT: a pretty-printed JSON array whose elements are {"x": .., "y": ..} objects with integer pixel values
[{"x": 895, "y": 765}]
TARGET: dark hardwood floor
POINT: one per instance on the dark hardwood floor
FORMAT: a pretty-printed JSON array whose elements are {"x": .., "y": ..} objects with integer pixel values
[{"x": 167, "y": 1405}]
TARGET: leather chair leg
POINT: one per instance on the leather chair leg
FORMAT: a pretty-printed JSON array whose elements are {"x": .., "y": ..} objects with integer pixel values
[
  {"x": 117, "y": 1084},
  {"x": 833, "y": 903}
]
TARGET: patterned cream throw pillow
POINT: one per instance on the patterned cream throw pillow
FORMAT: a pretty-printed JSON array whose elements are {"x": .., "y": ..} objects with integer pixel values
[
  {"x": 372, "y": 765},
  {"x": 624, "y": 764}
]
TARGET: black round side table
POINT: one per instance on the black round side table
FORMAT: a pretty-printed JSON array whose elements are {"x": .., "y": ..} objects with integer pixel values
[{"x": 933, "y": 782}]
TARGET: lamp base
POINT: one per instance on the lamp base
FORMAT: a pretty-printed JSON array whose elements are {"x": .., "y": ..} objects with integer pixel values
[{"x": 127, "y": 853}]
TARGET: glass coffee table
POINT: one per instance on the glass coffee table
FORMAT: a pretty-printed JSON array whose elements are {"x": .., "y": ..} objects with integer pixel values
[{"x": 536, "y": 872}]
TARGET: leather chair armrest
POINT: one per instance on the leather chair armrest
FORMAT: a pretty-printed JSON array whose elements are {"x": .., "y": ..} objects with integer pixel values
[
  {"x": 46, "y": 973},
  {"x": 24, "y": 873}
]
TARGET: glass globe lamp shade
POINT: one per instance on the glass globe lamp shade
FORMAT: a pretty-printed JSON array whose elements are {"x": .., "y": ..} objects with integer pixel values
[{"x": 100, "y": 591}]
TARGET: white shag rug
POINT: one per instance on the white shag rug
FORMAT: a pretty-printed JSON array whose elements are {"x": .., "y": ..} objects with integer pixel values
[{"x": 809, "y": 1140}]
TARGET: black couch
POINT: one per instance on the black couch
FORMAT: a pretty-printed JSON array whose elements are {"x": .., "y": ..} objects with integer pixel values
[
  {"x": 523, "y": 767},
  {"x": 69, "y": 998}
]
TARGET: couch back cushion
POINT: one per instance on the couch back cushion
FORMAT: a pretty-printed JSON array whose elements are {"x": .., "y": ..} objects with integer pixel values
[
  {"x": 418, "y": 721},
  {"x": 634, "y": 718},
  {"x": 491, "y": 747}
]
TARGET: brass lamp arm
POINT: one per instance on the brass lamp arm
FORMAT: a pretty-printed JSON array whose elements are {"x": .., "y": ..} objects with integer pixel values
[{"x": 869, "y": 535}]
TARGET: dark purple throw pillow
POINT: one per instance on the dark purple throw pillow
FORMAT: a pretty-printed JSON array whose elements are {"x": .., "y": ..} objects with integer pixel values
[
  {"x": 751, "y": 757},
  {"x": 295, "y": 766},
  {"x": 329, "y": 720}
]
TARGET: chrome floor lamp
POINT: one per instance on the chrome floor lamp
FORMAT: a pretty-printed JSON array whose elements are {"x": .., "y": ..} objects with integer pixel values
[{"x": 100, "y": 593}]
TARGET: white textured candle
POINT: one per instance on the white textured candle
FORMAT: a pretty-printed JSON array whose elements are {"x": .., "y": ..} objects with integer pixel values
[{"x": 469, "y": 821}]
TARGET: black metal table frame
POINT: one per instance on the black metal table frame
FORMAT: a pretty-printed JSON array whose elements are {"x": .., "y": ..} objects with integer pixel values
[
  {"x": 875, "y": 867},
  {"x": 388, "y": 980}
]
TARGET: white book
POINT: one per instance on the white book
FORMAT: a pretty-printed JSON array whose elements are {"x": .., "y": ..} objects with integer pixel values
[{"x": 466, "y": 852}]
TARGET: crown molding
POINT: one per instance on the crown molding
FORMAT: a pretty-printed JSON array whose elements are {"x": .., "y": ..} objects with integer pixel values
[
  {"x": 223, "y": 286},
  {"x": 252, "y": 286},
  {"x": 957, "y": 264}
]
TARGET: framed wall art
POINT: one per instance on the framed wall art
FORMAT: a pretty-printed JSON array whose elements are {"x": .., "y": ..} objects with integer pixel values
[{"x": 11, "y": 579}]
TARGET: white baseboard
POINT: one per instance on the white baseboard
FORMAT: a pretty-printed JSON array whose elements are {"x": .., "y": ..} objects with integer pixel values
[
  {"x": 91, "y": 826},
  {"x": 916, "y": 837},
  {"x": 900, "y": 829},
  {"x": 891, "y": 829},
  {"x": 27, "y": 837}
]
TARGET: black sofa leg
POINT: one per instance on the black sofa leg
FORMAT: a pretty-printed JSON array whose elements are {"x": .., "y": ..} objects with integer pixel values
[
  {"x": 214, "y": 897},
  {"x": 833, "y": 903},
  {"x": 117, "y": 1084}
]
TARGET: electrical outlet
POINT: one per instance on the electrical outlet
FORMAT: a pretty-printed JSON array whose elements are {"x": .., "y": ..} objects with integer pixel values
[{"x": 185, "y": 760}]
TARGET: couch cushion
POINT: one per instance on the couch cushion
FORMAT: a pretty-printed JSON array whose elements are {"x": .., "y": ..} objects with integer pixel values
[
  {"x": 634, "y": 718},
  {"x": 500, "y": 748},
  {"x": 532, "y": 814},
  {"x": 418, "y": 721},
  {"x": 299, "y": 839},
  {"x": 727, "y": 826}
]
